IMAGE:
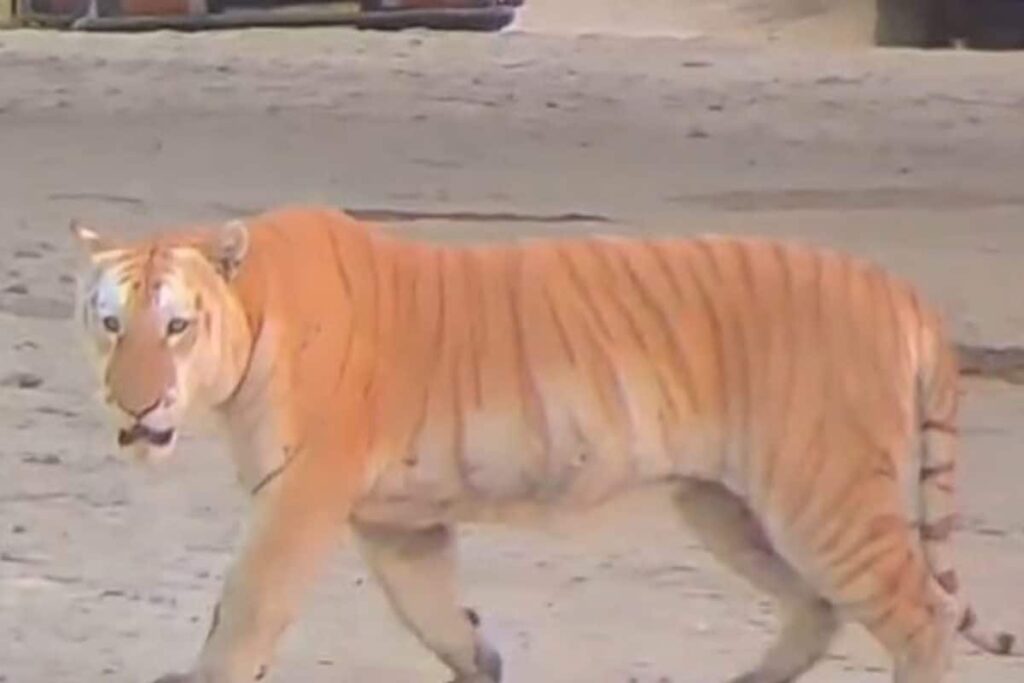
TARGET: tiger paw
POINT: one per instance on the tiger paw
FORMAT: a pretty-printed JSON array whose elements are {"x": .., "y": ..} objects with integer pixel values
[
  {"x": 179, "y": 678},
  {"x": 475, "y": 678},
  {"x": 489, "y": 661}
]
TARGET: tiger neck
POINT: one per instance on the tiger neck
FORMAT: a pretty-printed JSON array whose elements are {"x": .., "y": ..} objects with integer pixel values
[
  {"x": 254, "y": 433},
  {"x": 229, "y": 365}
]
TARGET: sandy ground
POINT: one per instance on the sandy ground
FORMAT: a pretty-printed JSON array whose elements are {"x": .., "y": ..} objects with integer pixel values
[
  {"x": 832, "y": 23},
  {"x": 107, "y": 573}
]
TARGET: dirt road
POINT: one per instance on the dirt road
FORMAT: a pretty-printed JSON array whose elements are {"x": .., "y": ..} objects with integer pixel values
[{"x": 108, "y": 574}]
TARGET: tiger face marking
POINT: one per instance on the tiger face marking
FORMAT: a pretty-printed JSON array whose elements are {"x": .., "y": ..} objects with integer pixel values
[{"x": 153, "y": 342}]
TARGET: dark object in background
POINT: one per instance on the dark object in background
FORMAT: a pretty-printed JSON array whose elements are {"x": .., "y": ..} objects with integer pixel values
[
  {"x": 385, "y": 5},
  {"x": 195, "y": 15},
  {"x": 993, "y": 24},
  {"x": 914, "y": 23},
  {"x": 980, "y": 24}
]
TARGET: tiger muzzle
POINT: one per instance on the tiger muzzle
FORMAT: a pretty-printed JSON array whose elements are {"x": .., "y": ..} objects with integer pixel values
[{"x": 140, "y": 432}]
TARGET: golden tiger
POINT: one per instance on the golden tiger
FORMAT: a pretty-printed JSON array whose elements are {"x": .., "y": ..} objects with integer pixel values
[{"x": 396, "y": 388}]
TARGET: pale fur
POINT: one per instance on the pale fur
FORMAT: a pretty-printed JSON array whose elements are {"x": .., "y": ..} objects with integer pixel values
[{"x": 402, "y": 387}]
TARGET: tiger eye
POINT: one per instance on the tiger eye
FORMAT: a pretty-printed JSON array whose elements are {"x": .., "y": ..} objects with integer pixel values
[
  {"x": 111, "y": 324},
  {"x": 177, "y": 325}
]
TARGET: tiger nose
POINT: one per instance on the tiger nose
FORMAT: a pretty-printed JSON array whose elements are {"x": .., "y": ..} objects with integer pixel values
[
  {"x": 137, "y": 413},
  {"x": 164, "y": 401}
]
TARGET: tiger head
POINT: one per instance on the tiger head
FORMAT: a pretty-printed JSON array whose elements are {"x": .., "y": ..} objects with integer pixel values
[{"x": 161, "y": 324}]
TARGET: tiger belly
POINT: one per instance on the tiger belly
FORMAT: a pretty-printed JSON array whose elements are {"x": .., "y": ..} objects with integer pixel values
[{"x": 499, "y": 470}]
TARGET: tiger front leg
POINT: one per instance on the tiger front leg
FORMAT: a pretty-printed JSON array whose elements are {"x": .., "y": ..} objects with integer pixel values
[
  {"x": 295, "y": 526},
  {"x": 417, "y": 570}
]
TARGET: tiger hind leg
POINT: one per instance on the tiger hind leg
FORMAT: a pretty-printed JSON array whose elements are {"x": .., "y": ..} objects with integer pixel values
[
  {"x": 727, "y": 528},
  {"x": 417, "y": 570},
  {"x": 918, "y": 631},
  {"x": 866, "y": 560},
  {"x": 908, "y": 612}
]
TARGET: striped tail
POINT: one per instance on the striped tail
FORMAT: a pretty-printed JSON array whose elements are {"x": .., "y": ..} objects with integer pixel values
[{"x": 939, "y": 460}]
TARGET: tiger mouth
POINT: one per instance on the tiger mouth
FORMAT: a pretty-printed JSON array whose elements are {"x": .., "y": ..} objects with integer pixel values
[{"x": 127, "y": 437}]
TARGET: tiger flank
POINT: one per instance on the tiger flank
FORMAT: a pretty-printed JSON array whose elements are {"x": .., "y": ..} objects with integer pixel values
[{"x": 397, "y": 388}]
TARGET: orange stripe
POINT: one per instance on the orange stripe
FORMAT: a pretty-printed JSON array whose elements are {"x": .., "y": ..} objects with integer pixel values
[
  {"x": 936, "y": 425},
  {"x": 940, "y": 530},
  {"x": 938, "y": 470}
]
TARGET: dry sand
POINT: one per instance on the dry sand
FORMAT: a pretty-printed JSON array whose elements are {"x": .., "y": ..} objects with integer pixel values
[
  {"x": 832, "y": 23},
  {"x": 108, "y": 573}
]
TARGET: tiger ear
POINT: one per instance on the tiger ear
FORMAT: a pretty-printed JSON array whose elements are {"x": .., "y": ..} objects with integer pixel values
[
  {"x": 227, "y": 248},
  {"x": 89, "y": 239}
]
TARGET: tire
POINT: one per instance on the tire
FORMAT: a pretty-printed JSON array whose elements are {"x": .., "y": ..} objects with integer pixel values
[
  {"x": 487, "y": 19},
  {"x": 994, "y": 24},
  {"x": 912, "y": 23}
]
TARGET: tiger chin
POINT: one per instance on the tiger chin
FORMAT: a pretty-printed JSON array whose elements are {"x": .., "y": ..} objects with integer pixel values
[{"x": 397, "y": 388}]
